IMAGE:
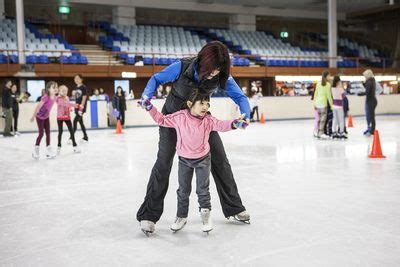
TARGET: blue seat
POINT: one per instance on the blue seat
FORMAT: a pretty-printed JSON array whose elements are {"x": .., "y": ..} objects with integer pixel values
[
  {"x": 148, "y": 61},
  {"x": 83, "y": 60},
  {"x": 116, "y": 48},
  {"x": 73, "y": 59},
  {"x": 43, "y": 59},
  {"x": 123, "y": 56},
  {"x": 64, "y": 60},
  {"x": 130, "y": 60},
  {"x": 13, "y": 59},
  {"x": 3, "y": 59},
  {"x": 31, "y": 59}
]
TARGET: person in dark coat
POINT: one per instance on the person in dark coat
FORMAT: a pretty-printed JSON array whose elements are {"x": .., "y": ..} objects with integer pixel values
[
  {"x": 6, "y": 103},
  {"x": 119, "y": 104},
  {"x": 370, "y": 102}
]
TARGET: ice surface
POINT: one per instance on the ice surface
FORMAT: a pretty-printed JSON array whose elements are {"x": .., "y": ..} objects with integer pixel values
[{"x": 312, "y": 203}]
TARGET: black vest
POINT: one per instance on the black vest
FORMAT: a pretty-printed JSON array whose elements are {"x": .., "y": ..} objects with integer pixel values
[{"x": 183, "y": 87}]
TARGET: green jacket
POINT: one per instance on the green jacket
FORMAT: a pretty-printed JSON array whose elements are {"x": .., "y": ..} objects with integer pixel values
[{"x": 323, "y": 95}]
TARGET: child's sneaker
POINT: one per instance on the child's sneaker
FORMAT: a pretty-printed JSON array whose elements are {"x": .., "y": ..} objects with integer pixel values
[
  {"x": 178, "y": 224},
  {"x": 76, "y": 149},
  {"x": 315, "y": 133},
  {"x": 205, "y": 218},
  {"x": 49, "y": 153},
  {"x": 35, "y": 153}
]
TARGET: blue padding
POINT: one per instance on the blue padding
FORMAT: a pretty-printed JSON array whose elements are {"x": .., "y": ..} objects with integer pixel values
[{"x": 94, "y": 116}]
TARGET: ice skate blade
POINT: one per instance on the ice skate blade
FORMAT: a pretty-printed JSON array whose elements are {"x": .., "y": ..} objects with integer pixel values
[
  {"x": 237, "y": 219},
  {"x": 147, "y": 233}
]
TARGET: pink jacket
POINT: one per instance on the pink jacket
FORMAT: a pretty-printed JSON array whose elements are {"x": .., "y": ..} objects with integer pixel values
[
  {"x": 63, "y": 108},
  {"x": 192, "y": 132}
]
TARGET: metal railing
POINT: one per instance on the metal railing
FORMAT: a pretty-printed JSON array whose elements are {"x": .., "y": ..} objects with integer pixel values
[{"x": 113, "y": 56}]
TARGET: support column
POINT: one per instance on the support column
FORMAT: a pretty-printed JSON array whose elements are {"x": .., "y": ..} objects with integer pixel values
[
  {"x": 2, "y": 9},
  {"x": 332, "y": 32},
  {"x": 19, "y": 5},
  {"x": 242, "y": 22},
  {"x": 124, "y": 15}
]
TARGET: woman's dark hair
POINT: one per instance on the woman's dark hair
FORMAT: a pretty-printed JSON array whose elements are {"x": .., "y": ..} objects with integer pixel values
[
  {"x": 212, "y": 56},
  {"x": 336, "y": 79},
  {"x": 325, "y": 75},
  {"x": 198, "y": 96}
]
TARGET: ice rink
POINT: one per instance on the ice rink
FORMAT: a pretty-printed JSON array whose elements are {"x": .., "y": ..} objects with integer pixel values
[{"x": 312, "y": 203}]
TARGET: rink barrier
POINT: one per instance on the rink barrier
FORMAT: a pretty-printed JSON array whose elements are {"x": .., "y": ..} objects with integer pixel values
[{"x": 277, "y": 108}]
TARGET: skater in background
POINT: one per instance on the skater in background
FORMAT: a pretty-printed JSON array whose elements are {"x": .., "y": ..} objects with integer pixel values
[
  {"x": 322, "y": 97},
  {"x": 15, "y": 101},
  {"x": 346, "y": 109},
  {"x": 119, "y": 104},
  {"x": 6, "y": 103},
  {"x": 193, "y": 127},
  {"x": 42, "y": 113},
  {"x": 63, "y": 116},
  {"x": 337, "y": 109},
  {"x": 254, "y": 96},
  {"x": 370, "y": 101},
  {"x": 208, "y": 70},
  {"x": 81, "y": 97},
  {"x": 329, "y": 122},
  {"x": 315, "y": 133}
]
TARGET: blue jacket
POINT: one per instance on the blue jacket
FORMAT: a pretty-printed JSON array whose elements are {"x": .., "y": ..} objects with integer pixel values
[{"x": 171, "y": 74}]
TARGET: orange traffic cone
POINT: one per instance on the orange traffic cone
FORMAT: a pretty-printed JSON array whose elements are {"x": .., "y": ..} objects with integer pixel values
[
  {"x": 350, "y": 122},
  {"x": 376, "y": 147},
  {"x": 262, "y": 120},
  {"x": 119, "y": 128}
]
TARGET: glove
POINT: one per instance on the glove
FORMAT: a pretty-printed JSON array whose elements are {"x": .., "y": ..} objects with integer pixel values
[
  {"x": 240, "y": 123},
  {"x": 115, "y": 113},
  {"x": 145, "y": 103}
]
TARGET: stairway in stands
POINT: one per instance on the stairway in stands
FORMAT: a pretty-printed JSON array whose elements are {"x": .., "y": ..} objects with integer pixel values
[{"x": 96, "y": 55}]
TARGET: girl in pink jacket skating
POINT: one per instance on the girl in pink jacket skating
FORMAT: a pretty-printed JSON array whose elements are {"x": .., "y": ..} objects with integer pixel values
[{"x": 193, "y": 127}]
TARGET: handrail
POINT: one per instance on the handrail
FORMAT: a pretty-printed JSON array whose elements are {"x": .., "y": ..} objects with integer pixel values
[{"x": 115, "y": 54}]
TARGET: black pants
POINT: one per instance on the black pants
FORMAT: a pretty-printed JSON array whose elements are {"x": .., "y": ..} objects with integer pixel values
[
  {"x": 122, "y": 117},
  {"x": 60, "y": 131},
  {"x": 255, "y": 110},
  {"x": 80, "y": 120},
  {"x": 153, "y": 204},
  {"x": 15, "y": 114},
  {"x": 370, "y": 115}
]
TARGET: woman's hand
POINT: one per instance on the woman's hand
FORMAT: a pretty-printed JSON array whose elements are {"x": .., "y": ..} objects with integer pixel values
[{"x": 240, "y": 123}]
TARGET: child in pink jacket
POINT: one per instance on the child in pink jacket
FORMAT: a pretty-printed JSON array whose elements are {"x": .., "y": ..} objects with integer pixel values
[
  {"x": 63, "y": 116},
  {"x": 193, "y": 127}
]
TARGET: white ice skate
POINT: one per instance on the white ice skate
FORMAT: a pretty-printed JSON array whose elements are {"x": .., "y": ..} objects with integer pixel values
[
  {"x": 35, "y": 153},
  {"x": 243, "y": 217},
  {"x": 178, "y": 224},
  {"x": 76, "y": 149},
  {"x": 206, "y": 219},
  {"x": 58, "y": 151},
  {"x": 324, "y": 137},
  {"x": 49, "y": 153},
  {"x": 147, "y": 227}
]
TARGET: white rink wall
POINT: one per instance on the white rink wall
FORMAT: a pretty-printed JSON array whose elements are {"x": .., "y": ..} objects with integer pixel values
[{"x": 273, "y": 108}]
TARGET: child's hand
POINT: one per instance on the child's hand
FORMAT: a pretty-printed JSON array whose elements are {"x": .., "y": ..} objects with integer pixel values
[
  {"x": 145, "y": 103},
  {"x": 240, "y": 123},
  {"x": 80, "y": 113},
  {"x": 32, "y": 119}
]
